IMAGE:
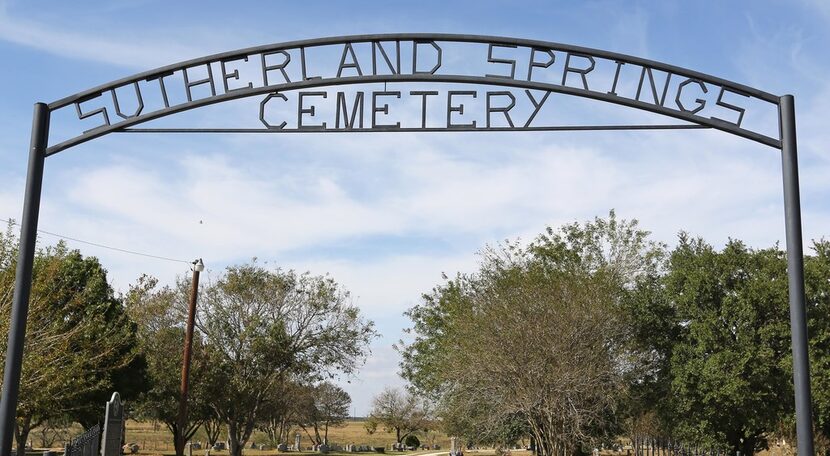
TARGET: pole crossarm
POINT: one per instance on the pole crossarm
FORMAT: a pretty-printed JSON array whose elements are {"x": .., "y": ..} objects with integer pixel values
[{"x": 273, "y": 69}]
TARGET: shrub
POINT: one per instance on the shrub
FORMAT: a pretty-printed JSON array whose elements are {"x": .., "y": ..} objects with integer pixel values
[{"x": 412, "y": 441}]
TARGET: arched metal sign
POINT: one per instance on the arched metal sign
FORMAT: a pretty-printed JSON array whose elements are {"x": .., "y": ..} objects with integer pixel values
[{"x": 477, "y": 83}]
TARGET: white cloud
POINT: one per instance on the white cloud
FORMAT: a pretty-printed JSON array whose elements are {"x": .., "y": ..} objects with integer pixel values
[
  {"x": 421, "y": 191},
  {"x": 821, "y": 6},
  {"x": 299, "y": 201},
  {"x": 385, "y": 287},
  {"x": 379, "y": 372},
  {"x": 11, "y": 199},
  {"x": 111, "y": 48}
]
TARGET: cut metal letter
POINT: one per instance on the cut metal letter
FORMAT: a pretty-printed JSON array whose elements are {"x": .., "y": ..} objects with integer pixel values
[
  {"x": 311, "y": 111},
  {"x": 383, "y": 109},
  {"x": 510, "y": 62},
  {"x": 537, "y": 106},
  {"x": 581, "y": 71},
  {"x": 139, "y": 102},
  {"x": 662, "y": 99},
  {"x": 280, "y": 66},
  {"x": 306, "y": 77},
  {"x": 234, "y": 75},
  {"x": 505, "y": 109},
  {"x": 533, "y": 63},
  {"x": 701, "y": 103},
  {"x": 415, "y": 57},
  {"x": 459, "y": 109},
  {"x": 188, "y": 84},
  {"x": 347, "y": 48},
  {"x": 163, "y": 89},
  {"x": 737, "y": 109},
  {"x": 424, "y": 94},
  {"x": 102, "y": 110},
  {"x": 613, "y": 90},
  {"x": 376, "y": 46},
  {"x": 262, "y": 111},
  {"x": 341, "y": 107}
]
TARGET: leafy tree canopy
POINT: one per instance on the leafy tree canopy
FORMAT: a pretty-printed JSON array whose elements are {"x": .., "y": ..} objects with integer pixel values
[{"x": 80, "y": 343}]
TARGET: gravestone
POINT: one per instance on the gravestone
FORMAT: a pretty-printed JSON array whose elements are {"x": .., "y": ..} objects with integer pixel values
[
  {"x": 113, "y": 427},
  {"x": 282, "y": 447},
  {"x": 297, "y": 441}
]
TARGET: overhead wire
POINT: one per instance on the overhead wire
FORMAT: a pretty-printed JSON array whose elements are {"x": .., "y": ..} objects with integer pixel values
[{"x": 103, "y": 246}]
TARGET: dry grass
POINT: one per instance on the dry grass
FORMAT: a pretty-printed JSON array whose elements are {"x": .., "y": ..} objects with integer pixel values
[{"x": 156, "y": 439}]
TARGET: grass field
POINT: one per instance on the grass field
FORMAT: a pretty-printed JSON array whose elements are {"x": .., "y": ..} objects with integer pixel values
[{"x": 156, "y": 439}]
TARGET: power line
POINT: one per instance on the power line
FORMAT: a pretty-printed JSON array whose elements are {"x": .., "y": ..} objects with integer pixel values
[{"x": 95, "y": 244}]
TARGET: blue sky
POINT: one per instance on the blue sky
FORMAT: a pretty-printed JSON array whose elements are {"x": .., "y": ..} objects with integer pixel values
[{"x": 386, "y": 214}]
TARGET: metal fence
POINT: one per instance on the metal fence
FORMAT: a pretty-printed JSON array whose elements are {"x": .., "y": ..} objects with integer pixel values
[
  {"x": 657, "y": 446},
  {"x": 86, "y": 444}
]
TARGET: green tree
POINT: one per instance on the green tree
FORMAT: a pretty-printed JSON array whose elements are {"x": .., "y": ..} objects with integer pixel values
[
  {"x": 535, "y": 342},
  {"x": 78, "y": 335},
  {"x": 324, "y": 405},
  {"x": 400, "y": 412},
  {"x": 284, "y": 410},
  {"x": 718, "y": 325},
  {"x": 817, "y": 289},
  {"x": 262, "y": 328}
]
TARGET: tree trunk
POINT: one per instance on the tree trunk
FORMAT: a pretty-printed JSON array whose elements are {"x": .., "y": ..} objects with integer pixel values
[
  {"x": 178, "y": 439},
  {"x": 317, "y": 438},
  {"x": 212, "y": 428},
  {"x": 310, "y": 437},
  {"x": 238, "y": 435},
  {"x": 22, "y": 434},
  {"x": 748, "y": 446},
  {"x": 285, "y": 429},
  {"x": 246, "y": 433},
  {"x": 181, "y": 436},
  {"x": 233, "y": 438},
  {"x": 271, "y": 431}
]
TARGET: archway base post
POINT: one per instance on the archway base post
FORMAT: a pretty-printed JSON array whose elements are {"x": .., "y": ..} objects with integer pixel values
[
  {"x": 795, "y": 278},
  {"x": 23, "y": 278}
]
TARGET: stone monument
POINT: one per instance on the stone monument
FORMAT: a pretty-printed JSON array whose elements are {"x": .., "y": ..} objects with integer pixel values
[{"x": 113, "y": 427}]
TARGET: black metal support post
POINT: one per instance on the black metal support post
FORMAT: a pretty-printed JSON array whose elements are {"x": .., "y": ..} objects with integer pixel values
[
  {"x": 795, "y": 277},
  {"x": 23, "y": 279}
]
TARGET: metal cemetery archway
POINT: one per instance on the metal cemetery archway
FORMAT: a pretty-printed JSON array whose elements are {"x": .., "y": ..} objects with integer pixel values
[{"x": 523, "y": 66}]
